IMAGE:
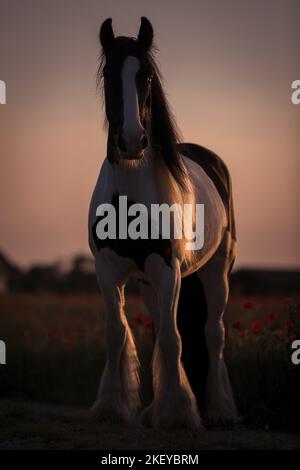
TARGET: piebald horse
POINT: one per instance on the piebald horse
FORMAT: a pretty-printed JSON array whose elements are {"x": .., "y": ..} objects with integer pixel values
[{"x": 185, "y": 292}]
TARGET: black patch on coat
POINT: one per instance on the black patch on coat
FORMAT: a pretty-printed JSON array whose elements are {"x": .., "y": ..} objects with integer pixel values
[
  {"x": 217, "y": 171},
  {"x": 137, "y": 250},
  {"x": 191, "y": 320}
]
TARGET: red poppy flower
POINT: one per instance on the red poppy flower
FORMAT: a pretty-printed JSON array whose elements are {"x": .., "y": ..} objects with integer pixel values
[
  {"x": 149, "y": 324},
  {"x": 139, "y": 318},
  {"x": 279, "y": 333},
  {"x": 53, "y": 334},
  {"x": 273, "y": 316},
  {"x": 243, "y": 334},
  {"x": 289, "y": 323},
  {"x": 236, "y": 325},
  {"x": 256, "y": 326},
  {"x": 248, "y": 304}
]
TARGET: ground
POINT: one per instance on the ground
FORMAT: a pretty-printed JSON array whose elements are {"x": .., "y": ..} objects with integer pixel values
[{"x": 33, "y": 426}]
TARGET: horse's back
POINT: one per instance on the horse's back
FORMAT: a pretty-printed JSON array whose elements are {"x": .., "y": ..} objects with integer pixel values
[{"x": 216, "y": 170}]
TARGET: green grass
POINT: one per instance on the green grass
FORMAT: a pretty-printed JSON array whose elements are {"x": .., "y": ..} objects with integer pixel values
[{"x": 55, "y": 353}]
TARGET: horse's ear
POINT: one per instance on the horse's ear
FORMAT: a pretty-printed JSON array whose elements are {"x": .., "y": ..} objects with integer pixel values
[
  {"x": 106, "y": 35},
  {"x": 145, "y": 36}
]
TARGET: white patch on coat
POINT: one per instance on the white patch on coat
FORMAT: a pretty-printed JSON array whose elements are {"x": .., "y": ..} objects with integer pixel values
[{"x": 132, "y": 126}]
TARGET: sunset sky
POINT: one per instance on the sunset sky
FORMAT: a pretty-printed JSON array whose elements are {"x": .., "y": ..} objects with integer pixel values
[{"x": 228, "y": 68}]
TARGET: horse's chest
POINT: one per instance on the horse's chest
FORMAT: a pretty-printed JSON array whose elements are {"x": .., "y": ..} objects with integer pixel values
[{"x": 135, "y": 250}]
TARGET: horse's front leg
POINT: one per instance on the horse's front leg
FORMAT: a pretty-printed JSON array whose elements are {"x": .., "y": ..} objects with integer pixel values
[
  {"x": 174, "y": 402},
  {"x": 118, "y": 395}
]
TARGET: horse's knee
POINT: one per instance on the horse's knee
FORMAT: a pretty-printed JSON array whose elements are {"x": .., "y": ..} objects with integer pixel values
[
  {"x": 168, "y": 351},
  {"x": 215, "y": 337}
]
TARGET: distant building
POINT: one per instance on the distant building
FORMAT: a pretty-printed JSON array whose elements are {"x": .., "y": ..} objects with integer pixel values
[{"x": 9, "y": 272}]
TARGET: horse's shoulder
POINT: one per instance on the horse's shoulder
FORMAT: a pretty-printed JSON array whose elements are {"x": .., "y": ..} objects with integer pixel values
[
  {"x": 216, "y": 170},
  {"x": 209, "y": 161}
]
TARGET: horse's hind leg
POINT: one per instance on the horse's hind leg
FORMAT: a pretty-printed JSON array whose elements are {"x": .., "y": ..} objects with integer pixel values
[
  {"x": 219, "y": 401},
  {"x": 118, "y": 395}
]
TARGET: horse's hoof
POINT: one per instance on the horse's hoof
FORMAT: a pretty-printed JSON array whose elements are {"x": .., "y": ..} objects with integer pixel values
[{"x": 180, "y": 414}]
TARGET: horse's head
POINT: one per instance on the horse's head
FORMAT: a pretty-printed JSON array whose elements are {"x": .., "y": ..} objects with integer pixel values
[{"x": 127, "y": 74}]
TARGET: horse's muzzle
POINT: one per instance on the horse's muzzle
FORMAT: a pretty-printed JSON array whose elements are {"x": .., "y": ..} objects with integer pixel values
[{"x": 132, "y": 148}]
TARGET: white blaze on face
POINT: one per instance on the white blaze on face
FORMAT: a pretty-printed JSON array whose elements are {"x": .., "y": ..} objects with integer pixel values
[{"x": 132, "y": 128}]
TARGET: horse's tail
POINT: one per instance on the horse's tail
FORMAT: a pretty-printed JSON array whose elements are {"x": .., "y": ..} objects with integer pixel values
[{"x": 191, "y": 320}]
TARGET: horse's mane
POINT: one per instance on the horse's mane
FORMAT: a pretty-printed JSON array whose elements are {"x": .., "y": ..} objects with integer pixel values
[{"x": 164, "y": 131}]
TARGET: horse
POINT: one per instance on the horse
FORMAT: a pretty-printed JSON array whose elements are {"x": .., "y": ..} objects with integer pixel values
[{"x": 185, "y": 291}]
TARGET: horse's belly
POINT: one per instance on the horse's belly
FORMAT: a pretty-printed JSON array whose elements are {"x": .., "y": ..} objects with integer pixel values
[{"x": 215, "y": 218}]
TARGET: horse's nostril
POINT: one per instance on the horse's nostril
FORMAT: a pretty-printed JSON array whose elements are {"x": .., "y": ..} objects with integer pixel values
[
  {"x": 144, "y": 141},
  {"x": 122, "y": 143}
]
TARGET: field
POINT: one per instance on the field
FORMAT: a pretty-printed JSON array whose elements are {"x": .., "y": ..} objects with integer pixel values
[{"x": 55, "y": 354}]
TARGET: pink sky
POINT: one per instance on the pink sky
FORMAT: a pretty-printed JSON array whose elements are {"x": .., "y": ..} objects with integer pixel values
[{"x": 228, "y": 69}]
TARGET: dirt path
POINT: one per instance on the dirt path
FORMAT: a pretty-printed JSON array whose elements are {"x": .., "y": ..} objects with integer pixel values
[{"x": 37, "y": 426}]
